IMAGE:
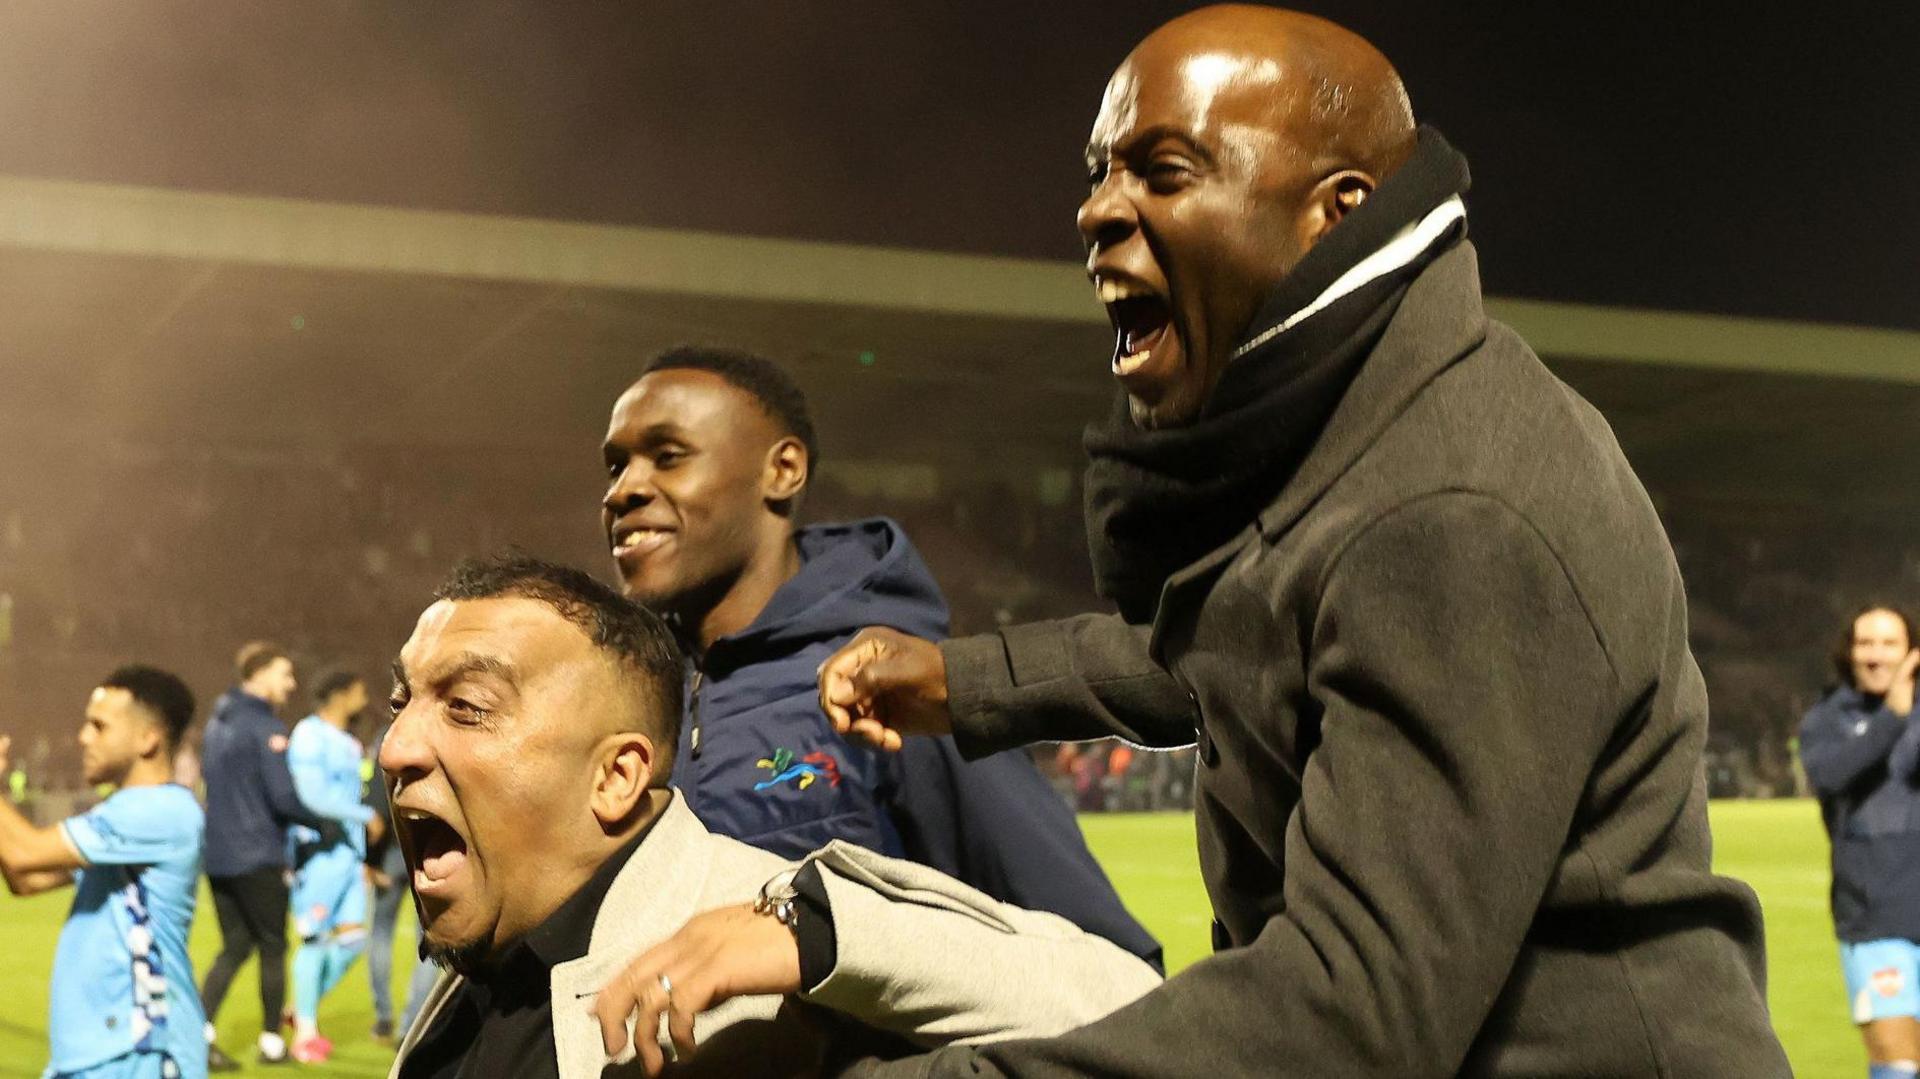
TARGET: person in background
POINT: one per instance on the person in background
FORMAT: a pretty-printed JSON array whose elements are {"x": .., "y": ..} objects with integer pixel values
[
  {"x": 387, "y": 874},
  {"x": 329, "y": 880},
  {"x": 251, "y": 802},
  {"x": 387, "y": 866},
  {"x": 1860, "y": 749},
  {"x": 122, "y": 999}
]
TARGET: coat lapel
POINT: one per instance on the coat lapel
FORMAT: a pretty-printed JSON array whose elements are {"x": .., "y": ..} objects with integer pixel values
[
  {"x": 1440, "y": 320},
  {"x": 443, "y": 991},
  {"x": 660, "y": 887}
]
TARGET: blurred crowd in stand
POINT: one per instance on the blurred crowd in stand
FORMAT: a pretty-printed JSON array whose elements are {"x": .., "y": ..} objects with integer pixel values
[{"x": 191, "y": 549}]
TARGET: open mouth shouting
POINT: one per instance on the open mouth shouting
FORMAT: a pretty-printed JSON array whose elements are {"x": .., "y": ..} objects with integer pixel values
[
  {"x": 1145, "y": 344},
  {"x": 436, "y": 852},
  {"x": 1140, "y": 321}
]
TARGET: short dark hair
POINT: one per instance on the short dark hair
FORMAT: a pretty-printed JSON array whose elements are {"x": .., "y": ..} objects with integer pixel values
[
  {"x": 756, "y": 376},
  {"x": 637, "y": 639},
  {"x": 163, "y": 695},
  {"x": 334, "y": 683},
  {"x": 1842, "y": 655},
  {"x": 255, "y": 655}
]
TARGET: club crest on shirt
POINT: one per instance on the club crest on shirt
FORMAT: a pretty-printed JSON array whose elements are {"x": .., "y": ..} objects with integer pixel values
[
  {"x": 801, "y": 772},
  {"x": 1887, "y": 981}
]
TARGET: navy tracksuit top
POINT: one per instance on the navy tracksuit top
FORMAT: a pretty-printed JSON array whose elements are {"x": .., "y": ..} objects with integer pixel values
[
  {"x": 250, "y": 794},
  {"x": 1861, "y": 760},
  {"x": 770, "y": 771}
]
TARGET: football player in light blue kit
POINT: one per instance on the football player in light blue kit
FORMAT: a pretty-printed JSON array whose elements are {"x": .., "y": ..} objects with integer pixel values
[
  {"x": 329, "y": 884},
  {"x": 124, "y": 1004}
]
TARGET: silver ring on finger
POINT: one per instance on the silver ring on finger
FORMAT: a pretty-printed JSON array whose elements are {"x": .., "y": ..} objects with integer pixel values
[{"x": 666, "y": 986}]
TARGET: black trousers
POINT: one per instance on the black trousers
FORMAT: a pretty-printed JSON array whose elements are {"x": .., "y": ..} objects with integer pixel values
[{"x": 252, "y": 909}]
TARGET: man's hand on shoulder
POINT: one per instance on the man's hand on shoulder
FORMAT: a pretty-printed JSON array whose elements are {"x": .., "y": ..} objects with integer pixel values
[
  {"x": 884, "y": 685},
  {"x": 722, "y": 954}
]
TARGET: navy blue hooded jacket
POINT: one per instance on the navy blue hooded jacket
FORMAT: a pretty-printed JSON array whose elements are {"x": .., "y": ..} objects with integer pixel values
[
  {"x": 250, "y": 795},
  {"x": 1861, "y": 759},
  {"x": 760, "y": 762}
]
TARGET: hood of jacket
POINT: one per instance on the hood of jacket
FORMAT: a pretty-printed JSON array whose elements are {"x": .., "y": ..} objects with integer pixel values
[{"x": 852, "y": 575}]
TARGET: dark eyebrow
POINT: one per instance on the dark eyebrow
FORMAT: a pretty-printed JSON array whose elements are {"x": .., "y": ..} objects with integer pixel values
[{"x": 399, "y": 673}]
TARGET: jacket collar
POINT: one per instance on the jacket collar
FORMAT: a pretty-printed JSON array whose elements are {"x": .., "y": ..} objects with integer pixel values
[
  {"x": 1441, "y": 320},
  {"x": 660, "y": 888},
  {"x": 653, "y": 895}
]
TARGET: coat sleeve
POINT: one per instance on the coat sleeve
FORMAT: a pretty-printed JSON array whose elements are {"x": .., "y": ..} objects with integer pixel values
[
  {"x": 997, "y": 825},
  {"x": 925, "y": 957},
  {"x": 1465, "y": 697},
  {"x": 1839, "y": 746},
  {"x": 1069, "y": 680}
]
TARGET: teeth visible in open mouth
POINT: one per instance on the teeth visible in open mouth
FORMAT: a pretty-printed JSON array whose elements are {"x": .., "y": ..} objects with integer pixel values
[
  {"x": 1111, "y": 291},
  {"x": 1126, "y": 365},
  {"x": 415, "y": 815}
]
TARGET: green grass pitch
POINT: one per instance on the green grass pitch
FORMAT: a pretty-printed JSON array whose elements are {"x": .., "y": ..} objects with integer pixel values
[{"x": 1777, "y": 847}]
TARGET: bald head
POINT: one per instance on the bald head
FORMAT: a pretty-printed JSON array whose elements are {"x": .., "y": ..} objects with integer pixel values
[
  {"x": 1228, "y": 143},
  {"x": 1336, "y": 98}
]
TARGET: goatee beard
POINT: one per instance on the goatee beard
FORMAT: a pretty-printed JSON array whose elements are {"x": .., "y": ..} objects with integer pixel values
[{"x": 466, "y": 959}]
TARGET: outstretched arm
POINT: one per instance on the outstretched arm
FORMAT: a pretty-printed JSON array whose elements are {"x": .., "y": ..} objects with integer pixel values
[
  {"x": 32, "y": 859},
  {"x": 908, "y": 951},
  {"x": 1073, "y": 679}
]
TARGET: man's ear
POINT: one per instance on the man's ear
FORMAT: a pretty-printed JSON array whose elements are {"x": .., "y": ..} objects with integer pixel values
[
  {"x": 1331, "y": 201},
  {"x": 152, "y": 742},
  {"x": 621, "y": 779},
  {"x": 786, "y": 472}
]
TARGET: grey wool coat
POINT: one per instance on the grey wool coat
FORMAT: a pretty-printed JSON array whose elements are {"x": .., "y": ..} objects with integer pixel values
[
  {"x": 1451, "y": 809},
  {"x": 922, "y": 960}
]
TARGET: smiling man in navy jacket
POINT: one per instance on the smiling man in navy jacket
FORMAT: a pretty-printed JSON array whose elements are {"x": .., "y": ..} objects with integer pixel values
[{"x": 708, "y": 455}]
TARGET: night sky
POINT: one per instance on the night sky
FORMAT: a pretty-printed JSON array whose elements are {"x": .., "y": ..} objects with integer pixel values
[{"x": 1754, "y": 159}]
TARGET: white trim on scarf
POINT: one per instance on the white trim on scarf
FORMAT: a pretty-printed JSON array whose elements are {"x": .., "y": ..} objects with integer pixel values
[{"x": 1408, "y": 244}]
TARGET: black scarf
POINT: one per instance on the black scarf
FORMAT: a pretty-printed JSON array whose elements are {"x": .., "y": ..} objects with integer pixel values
[{"x": 1157, "y": 501}]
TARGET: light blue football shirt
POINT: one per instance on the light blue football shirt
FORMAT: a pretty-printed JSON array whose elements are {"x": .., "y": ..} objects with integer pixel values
[
  {"x": 122, "y": 982},
  {"x": 325, "y": 762}
]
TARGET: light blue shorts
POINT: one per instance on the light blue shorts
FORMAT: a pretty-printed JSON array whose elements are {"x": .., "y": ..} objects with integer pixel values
[
  {"x": 329, "y": 891},
  {"x": 1881, "y": 978},
  {"x": 134, "y": 1066}
]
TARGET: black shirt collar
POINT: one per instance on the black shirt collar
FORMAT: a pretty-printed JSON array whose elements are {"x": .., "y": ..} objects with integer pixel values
[{"x": 566, "y": 933}]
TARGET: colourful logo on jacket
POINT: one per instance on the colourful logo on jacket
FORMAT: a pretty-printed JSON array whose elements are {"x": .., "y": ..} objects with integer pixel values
[{"x": 801, "y": 772}]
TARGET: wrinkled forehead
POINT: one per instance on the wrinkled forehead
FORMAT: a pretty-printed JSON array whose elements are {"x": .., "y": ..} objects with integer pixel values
[
  {"x": 1209, "y": 94},
  {"x": 519, "y": 640}
]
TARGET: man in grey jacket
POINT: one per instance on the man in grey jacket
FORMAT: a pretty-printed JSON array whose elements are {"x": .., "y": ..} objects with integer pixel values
[
  {"x": 536, "y": 713},
  {"x": 1400, "y": 586}
]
